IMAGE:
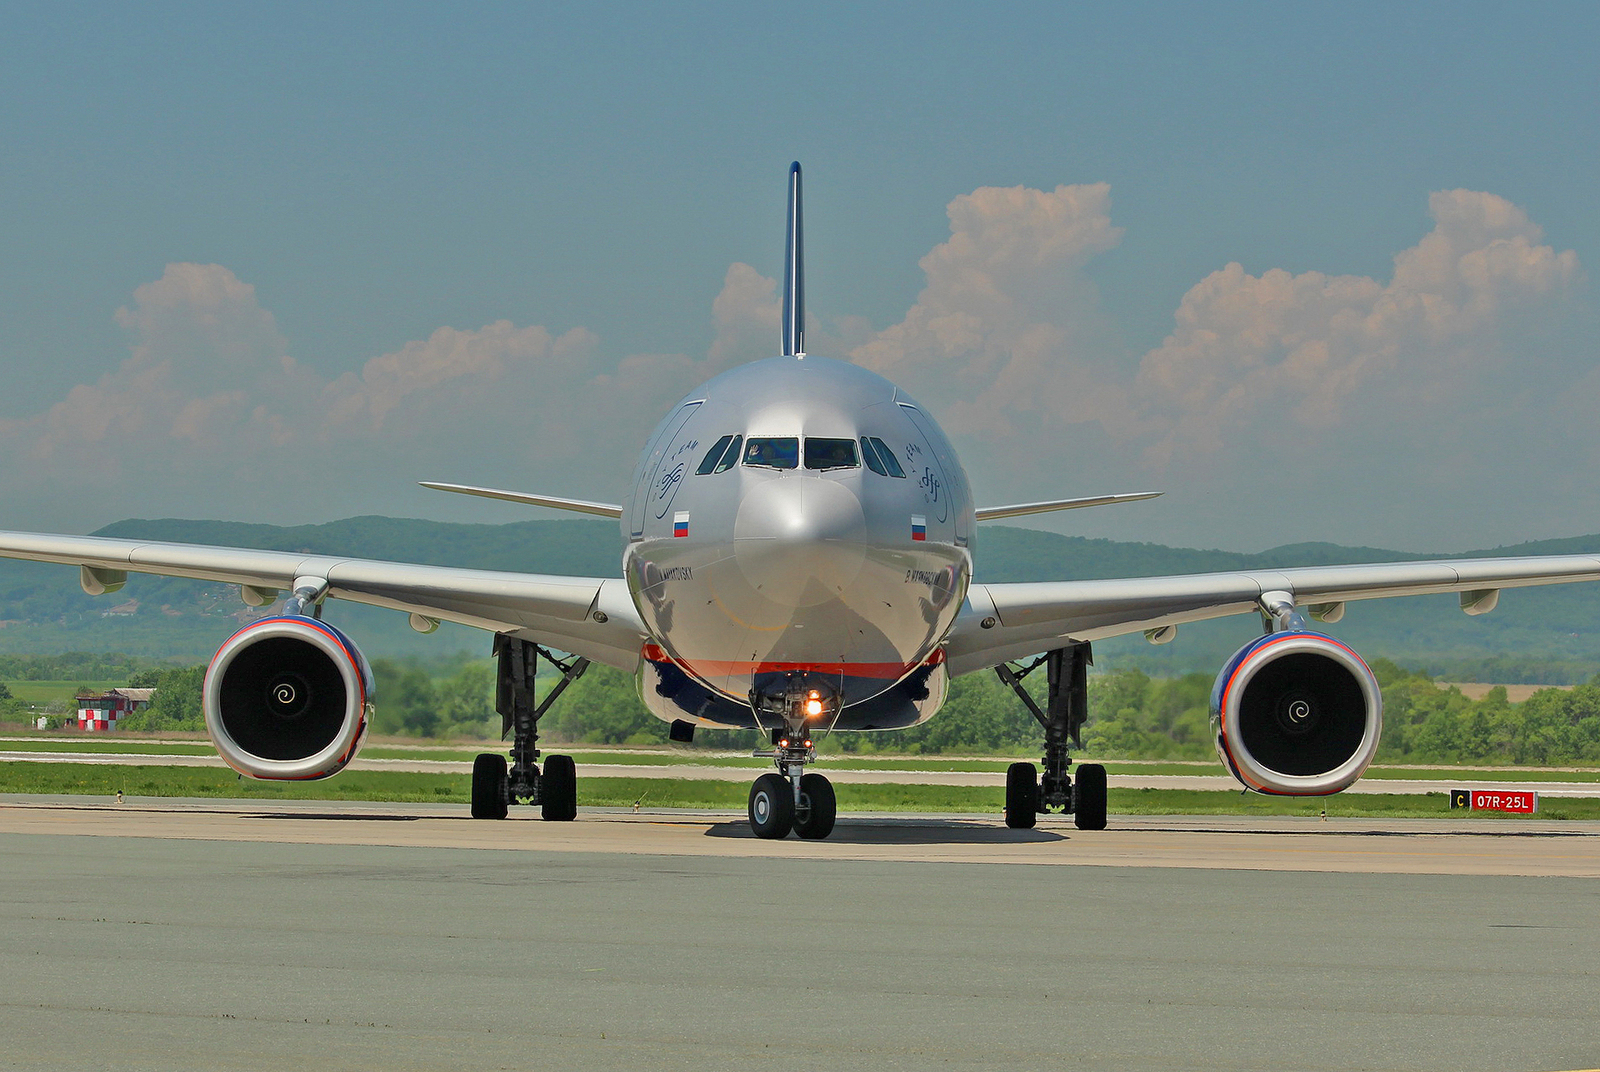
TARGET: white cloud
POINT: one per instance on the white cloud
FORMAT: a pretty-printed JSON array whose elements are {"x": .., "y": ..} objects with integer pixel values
[
  {"x": 1008, "y": 332},
  {"x": 1292, "y": 352},
  {"x": 209, "y": 415},
  {"x": 1307, "y": 392},
  {"x": 1281, "y": 406}
]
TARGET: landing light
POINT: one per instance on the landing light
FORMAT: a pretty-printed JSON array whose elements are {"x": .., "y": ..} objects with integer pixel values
[{"x": 813, "y": 707}]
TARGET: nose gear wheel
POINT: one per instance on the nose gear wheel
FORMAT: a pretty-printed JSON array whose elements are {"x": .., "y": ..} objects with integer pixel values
[{"x": 771, "y": 807}]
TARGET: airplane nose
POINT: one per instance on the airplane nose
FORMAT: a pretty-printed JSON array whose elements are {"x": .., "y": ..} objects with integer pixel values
[{"x": 799, "y": 541}]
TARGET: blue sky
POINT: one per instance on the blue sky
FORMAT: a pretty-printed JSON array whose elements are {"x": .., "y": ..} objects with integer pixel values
[{"x": 347, "y": 180}]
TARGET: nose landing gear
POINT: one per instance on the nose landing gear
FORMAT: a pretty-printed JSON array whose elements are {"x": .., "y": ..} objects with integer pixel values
[{"x": 791, "y": 799}]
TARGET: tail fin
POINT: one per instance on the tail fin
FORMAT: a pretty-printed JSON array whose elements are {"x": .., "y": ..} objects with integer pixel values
[{"x": 794, "y": 276}]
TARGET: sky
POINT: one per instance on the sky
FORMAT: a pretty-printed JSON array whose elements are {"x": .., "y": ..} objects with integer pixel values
[{"x": 1317, "y": 272}]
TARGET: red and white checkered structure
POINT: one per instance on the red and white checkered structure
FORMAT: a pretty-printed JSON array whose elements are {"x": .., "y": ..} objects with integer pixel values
[{"x": 100, "y": 712}]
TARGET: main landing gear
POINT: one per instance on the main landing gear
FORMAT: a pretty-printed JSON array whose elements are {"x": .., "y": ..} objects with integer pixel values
[
  {"x": 1066, "y": 708},
  {"x": 495, "y": 785},
  {"x": 792, "y": 799}
]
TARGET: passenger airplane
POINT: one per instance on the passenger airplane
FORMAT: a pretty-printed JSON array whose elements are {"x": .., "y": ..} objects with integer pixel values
[{"x": 799, "y": 560}]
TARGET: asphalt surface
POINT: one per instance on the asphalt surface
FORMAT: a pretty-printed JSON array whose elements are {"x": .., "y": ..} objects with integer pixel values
[{"x": 224, "y": 935}]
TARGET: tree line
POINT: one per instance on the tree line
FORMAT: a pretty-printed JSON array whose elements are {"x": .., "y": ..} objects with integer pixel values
[{"x": 1132, "y": 716}]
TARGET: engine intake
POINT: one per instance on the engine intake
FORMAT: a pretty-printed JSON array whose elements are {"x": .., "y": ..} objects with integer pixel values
[
  {"x": 287, "y": 698},
  {"x": 1296, "y": 713}
]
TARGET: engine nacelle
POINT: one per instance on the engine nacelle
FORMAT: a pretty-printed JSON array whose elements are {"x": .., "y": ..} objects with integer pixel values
[
  {"x": 1296, "y": 713},
  {"x": 287, "y": 698}
]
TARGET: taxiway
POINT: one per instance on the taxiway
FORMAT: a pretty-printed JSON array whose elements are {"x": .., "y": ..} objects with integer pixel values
[{"x": 229, "y": 934}]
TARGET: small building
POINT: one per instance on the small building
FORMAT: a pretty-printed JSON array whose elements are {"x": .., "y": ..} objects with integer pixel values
[{"x": 100, "y": 711}]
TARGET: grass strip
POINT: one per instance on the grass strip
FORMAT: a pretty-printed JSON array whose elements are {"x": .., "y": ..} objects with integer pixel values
[
  {"x": 69, "y": 778},
  {"x": 118, "y": 748},
  {"x": 44, "y": 692},
  {"x": 834, "y": 762}
]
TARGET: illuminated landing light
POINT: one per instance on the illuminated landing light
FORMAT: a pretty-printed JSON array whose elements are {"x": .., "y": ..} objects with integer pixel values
[{"x": 813, "y": 708}]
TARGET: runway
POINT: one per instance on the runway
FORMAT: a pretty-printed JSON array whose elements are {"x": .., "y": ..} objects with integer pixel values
[
  {"x": 1419, "y": 846},
  {"x": 239, "y": 935}
]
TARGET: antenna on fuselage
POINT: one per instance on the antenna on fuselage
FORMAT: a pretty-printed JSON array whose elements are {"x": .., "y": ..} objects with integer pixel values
[{"x": 794, "y": 276}]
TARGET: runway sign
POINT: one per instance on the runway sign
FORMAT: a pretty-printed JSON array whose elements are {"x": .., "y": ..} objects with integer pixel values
[{"x": 1522, "y": 801}]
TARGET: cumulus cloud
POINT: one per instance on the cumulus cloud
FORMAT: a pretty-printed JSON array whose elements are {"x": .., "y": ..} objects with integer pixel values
[
  {"x": 1008, "y": 332},
  {"x": 1323, "y": 395},
  {"x": 1281, "y": 406},
  {"x": 210, "y": 415},
  {"x": 1295, "y": 351}
]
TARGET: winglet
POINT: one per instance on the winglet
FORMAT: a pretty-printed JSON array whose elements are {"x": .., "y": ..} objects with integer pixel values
[{"x": 794, "y": 275}]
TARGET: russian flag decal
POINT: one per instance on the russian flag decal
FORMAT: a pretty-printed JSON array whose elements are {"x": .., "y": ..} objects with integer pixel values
[
  {"x": 919, "y": 527},
  {"x": 680, "y": 523}
]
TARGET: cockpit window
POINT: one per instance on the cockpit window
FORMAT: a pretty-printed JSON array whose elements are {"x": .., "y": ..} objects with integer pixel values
[
  {"x": 876, "y": 448},
  {"x": 830, "y": 453},
  {"x": 714, "y": 455},
  {"x": 869, "y": 454},
  {"x": 730, "y": 457},
  {"x": 773, "y": 452}
]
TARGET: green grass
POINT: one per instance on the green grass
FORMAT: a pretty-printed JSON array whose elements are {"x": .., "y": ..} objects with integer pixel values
[
  {"x": 43, "y": 692},
  {"x": 69, "y": 778},
  {"x": 110, "y": 746},
  {"x": 1341, "y": 806},
  {"x": 1439, "y": 774},
  {"x": 464, "y": 753}
]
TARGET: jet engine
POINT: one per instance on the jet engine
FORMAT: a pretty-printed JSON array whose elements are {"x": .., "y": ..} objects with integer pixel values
[
  {"x": 287, "y": 698},
  {"x": 1296, "y": 713}
]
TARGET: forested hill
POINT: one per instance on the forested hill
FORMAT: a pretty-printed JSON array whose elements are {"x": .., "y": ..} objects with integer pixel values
[{"x": 1536, "y": 635}]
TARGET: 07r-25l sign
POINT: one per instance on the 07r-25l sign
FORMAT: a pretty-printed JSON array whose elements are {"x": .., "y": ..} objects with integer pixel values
[{"x": 1523, "y": 801}]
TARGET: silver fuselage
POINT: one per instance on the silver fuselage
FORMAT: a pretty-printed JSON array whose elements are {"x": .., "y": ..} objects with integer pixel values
[{"x": 849, "y": 578}]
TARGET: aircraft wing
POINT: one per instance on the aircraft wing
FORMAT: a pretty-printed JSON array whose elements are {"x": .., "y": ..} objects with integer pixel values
[
  {"x": 1009, "y": 621},
  {"x": 588, "y": 616}
]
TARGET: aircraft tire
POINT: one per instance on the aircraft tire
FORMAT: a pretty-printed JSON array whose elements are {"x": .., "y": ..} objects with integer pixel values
[
  {"x": 558, "y": 790},
  {"x": 771, "y": 807},
  {"x": 489, "y": 799},
  {"x": 1022, "y": 796},
  {"x": 1089, "y": 797},
  {"x": 818, "y": 807}
]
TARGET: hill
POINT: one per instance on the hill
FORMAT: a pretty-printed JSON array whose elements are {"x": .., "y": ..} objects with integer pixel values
[{"x": 1536, "y": 635}]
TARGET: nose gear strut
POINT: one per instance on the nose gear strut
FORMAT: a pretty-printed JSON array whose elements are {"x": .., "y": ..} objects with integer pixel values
[{"x": 792, "y": 799}]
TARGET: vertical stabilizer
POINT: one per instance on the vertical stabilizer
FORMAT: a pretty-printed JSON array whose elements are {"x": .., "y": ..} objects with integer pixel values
[{"x": 794, "y": 276}]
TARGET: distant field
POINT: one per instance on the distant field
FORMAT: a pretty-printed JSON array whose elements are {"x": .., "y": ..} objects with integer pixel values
[
  {"x": 135, "y": 782},
  {"x": 42, "y": 692},
  {"x": 1514, "y": 693}
]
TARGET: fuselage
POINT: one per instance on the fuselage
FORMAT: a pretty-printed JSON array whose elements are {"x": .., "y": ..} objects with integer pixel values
[{"x": 803, "y": 520}]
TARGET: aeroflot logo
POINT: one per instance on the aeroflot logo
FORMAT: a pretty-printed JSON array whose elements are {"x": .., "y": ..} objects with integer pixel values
[{"x": 668, "y": 480}]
